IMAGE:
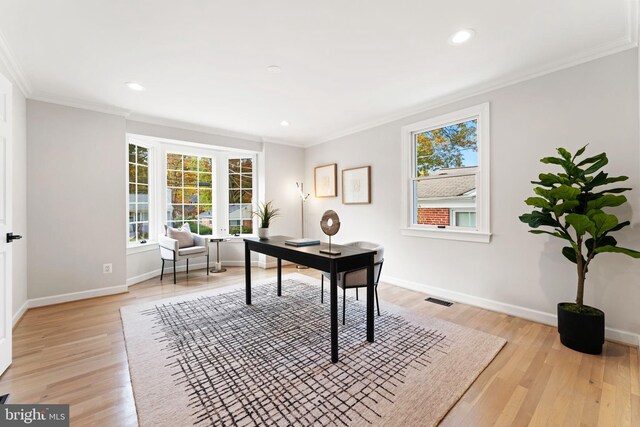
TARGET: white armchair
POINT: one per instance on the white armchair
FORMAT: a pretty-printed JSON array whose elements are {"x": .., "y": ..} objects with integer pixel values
[{"x": 181, "y": 244}]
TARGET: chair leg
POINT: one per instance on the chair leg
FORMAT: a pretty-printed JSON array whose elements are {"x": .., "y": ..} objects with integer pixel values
[
  {"x": 344, "y": 304},
  {"x": 356, "y": 294},
  {"x": 207, "y": 263},
  {"x": 187, "y": 266},
  {"x": 162, "y": 270},
  {"x": 174, "y": 271},
  {"x": 321, "y": 289},
  {"x": 377, "y": 300}
]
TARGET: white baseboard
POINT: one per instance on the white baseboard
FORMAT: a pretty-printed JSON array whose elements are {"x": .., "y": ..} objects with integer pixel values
[
  {"x": 612, "y": 334},
  {"x": 74, "y": 296},
  {"x": 21, "y": 311}
]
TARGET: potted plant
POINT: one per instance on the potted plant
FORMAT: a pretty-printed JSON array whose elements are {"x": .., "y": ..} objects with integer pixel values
[
  {"x": 572, "y": 204},
  {"x": 266, "y": 213}
]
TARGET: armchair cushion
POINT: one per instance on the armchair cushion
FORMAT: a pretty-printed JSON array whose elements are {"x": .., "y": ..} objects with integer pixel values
[
  {"x": 182, "y": 235},
  {"x": 192, "y": 250}
]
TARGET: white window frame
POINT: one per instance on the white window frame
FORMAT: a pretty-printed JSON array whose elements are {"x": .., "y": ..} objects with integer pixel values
[
  {"x": 482, "y": 233},
  {"x": 454, "y": 211},
  {"x": 188, "y": 151},
  {"x": 152, "y": 183},
  {"x": 158, "y": 149},
  {"x": 254, "y": 189}
]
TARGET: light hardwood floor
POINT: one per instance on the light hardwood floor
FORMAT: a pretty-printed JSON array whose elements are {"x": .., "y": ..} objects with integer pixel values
[{"x": 74, "y": 353}]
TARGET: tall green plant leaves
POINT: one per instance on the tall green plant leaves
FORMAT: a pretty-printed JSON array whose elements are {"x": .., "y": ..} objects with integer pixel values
[{"x": 572, "y": 203}]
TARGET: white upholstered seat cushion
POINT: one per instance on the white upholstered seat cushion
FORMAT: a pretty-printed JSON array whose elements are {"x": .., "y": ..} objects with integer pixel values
[{"x": 192, "y": 250}]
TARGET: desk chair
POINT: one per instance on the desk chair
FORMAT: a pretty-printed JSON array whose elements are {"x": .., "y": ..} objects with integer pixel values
[{"x": 357, "y": 278}]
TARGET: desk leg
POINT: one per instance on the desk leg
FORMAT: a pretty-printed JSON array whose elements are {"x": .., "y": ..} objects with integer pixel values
[
  {"x": 370, "y": 295},
  {"x": 334, "y": 312},
  {"x": 279, "y": 277},
  {"x": 247, "y": 272}
]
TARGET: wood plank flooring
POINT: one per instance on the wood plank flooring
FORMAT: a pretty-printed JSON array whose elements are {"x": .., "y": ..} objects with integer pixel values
[{"x": 74, "y": 353}]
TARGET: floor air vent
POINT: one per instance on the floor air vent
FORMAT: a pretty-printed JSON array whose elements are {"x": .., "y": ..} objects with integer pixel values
[{"x": 439, "y": 301}]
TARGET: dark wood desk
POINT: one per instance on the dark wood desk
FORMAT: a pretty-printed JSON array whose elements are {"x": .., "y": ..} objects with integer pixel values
[{"x": 351, "y": 258}]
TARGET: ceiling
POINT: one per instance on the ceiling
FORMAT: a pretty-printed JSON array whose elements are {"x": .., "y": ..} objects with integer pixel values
[{"x": 345, "y": 64}]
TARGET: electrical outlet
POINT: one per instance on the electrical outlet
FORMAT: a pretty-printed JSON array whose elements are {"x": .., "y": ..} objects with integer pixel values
[{"x": 107, "y": 268}]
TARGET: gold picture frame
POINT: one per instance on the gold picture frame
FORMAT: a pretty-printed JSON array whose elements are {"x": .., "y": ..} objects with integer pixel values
[
  {"x": 356, "y": 186},
  {"x": 325, "y": 180}
]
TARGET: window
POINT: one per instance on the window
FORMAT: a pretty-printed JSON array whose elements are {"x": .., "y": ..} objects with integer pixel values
[
  {"x": 172, "y": 182},
  {"x": 463, "y": 218},
  {"x": 241, "y": 196},
  {"x": 138, "y": 223},
  {"x": 446, "y": 176},
  {"x": 190, "y": 192}
]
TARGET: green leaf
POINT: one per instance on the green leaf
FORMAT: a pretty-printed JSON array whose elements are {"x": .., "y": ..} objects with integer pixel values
[
  {"x": 597, "y": 165},
  {"x": 581, "y": 223},
  {"x": 538, "y": 202},
  {"x": 566, "y": 207},
  {"x": 553, "y": 160},
  {"x": 564, "y": 153},
  {"x": 552, "y": 233},
  {"x": 570, "y": 254},
  {"x": 603, "y": 241},
  {"x": 548, "y": 180},
  {"x": 603, "y": 222},
  {"x": 580, "y": 151},
  {"x": 620, "y": 226},
  {"x": 592, "y": 159},
  {"x": 608, "y": 200},
  {"x": 536, "y": 219},
  {"x": 565, "y": 192},
  {"x": 614, "y": 249},
  {"x": 544, "y": 193},
  {"x": 613, "y": 190}
]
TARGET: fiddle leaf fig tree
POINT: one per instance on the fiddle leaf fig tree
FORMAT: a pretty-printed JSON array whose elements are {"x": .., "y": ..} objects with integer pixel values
[{"x": 571, "y": 205}]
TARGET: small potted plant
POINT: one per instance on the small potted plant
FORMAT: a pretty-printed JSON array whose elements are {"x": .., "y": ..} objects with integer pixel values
[
  {"x": 572, "y": 205},
  {"x": 266, "y": 213}
]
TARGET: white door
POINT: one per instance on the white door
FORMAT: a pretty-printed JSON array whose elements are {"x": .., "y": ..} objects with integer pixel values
[{"x": 5, "y": 224}]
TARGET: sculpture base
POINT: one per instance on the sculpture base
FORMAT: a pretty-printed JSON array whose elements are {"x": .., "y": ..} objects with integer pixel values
[{"x": 329, "y": 252}]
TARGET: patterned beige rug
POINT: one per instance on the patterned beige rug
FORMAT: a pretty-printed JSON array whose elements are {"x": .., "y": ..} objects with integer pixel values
[{"x": 209, "y": 359}]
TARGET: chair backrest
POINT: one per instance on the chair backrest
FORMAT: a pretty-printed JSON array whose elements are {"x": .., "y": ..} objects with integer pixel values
[{"x": 379, "y": 256}]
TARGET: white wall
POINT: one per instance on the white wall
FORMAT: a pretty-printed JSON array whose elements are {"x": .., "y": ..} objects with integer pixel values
[
  {"x": 594, "y": 103},
  {"x": 76, "y": 212},
  {"x": 19, "y": 179}
]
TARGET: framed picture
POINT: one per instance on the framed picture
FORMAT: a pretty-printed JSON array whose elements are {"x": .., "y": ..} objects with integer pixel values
[
  {"x": 325, "y": 180},
  {"x": 356, "y": 186}
]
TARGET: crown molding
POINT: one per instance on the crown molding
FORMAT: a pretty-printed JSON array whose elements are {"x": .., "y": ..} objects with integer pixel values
[
  {"x": 9, "y": 60},
  {"x": 628, "y": 41},
  {"x": 154, "y": 120},
  {"x": 77, "y": 103},
  {"x": 280, "y": 142}
]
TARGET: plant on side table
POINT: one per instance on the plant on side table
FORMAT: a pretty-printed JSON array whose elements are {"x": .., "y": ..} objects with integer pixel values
[
  {"x": 572, "y": 204},
  {"x": 266, "y": 213}
]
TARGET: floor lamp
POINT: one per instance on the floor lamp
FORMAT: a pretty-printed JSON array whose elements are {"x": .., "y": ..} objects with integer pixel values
[{"x": 303, "y": 198}]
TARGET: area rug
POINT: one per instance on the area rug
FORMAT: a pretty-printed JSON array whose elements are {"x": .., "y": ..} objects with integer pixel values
[{"x": 209, "y": 359}]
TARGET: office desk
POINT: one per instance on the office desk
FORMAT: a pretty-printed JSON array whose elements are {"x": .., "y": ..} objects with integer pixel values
[{"x": 350, "y": 258}]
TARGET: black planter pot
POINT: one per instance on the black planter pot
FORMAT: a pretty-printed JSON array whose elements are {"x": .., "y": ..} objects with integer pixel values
[{"x": 581, "y": 331}]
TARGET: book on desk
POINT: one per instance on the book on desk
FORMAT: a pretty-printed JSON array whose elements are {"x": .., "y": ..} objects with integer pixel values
[{"x": 302, "y": 242}]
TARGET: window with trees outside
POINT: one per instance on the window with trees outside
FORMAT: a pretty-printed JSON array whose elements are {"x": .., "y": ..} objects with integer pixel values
[
  {"x": 241, "y": 195},
  {"x": 138, "y": 193},
  {"x": 190, "y": 192},
  {"x": 447, "y": 163}
]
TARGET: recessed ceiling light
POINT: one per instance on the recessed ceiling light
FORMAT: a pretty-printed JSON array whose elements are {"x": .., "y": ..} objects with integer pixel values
[
  {"x": 284, "y": 123},
  {"x": 462, "y": 36},
  {"x": 135, "y": 86},
  {"x": 274, "y": 69}
]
